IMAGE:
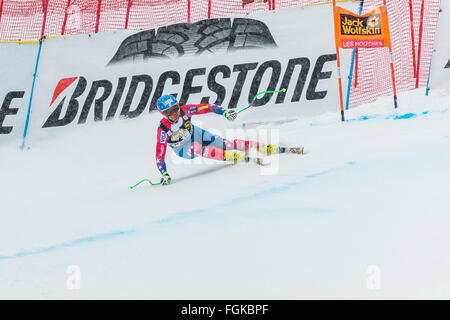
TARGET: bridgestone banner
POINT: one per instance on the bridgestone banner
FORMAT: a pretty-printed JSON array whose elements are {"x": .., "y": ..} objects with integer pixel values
[
  {"x": 17, "y": 63},
  {"x": 120, "y": 75}
]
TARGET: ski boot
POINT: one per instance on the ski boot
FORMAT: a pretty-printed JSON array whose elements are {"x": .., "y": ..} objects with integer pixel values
[
  {"x": 232, "y": 156},
  {"x": 268, "y": 149}
]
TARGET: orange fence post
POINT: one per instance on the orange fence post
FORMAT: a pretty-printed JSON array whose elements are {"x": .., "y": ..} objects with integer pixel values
[{"x": 394, "y": 86}]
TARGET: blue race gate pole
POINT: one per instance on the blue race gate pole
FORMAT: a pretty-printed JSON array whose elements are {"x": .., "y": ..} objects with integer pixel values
[
  {"x": 31, "y": 95},
  {"x": 428, "y": 81},
  {"x": 352, "y": 64}
]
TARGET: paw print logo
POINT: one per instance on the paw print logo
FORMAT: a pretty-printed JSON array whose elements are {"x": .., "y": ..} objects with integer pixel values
[
  {"x": 373, "y": 22},
  {"x": 188, "y": 125}
]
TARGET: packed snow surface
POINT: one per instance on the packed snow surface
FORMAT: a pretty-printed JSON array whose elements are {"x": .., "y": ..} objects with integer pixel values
[{"x": 364, "y": 213}]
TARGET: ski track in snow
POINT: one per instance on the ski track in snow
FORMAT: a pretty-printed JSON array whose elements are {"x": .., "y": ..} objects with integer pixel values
[
  {"x": 175, "y": 217},
  {"x": 371, "y": 164}
]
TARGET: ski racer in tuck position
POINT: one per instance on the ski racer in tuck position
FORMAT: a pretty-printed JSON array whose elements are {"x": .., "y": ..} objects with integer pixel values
[{"x": 189, "y": 141}]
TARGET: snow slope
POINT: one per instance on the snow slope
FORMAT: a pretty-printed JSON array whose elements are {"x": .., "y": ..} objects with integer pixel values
[{"x": 369, "y": 193}]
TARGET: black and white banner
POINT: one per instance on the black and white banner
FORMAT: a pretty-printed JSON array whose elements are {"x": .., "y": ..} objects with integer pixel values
[
  {"x": 17, "y": 64},
  {"x": 227, "y": 61}
]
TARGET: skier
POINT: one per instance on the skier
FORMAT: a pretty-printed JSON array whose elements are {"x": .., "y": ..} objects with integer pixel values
[{"x": 189, "y": 141}]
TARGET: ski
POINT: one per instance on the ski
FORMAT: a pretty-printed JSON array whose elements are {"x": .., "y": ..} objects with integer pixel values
[
  {"x": 270, "y": 149},
  {"x": 294, "y": 150}
]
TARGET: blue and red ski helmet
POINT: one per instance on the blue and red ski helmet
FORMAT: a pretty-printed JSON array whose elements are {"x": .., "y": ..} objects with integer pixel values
[{"x": 166, "y": 102}]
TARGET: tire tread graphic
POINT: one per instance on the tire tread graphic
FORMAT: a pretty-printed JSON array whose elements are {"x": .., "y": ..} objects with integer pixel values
[{"x": 214, "y": 36}]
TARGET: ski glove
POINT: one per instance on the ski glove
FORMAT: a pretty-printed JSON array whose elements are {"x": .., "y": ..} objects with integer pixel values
[
  {"x": 165, "y": 180},
  {"x": 230, "y": 115}
]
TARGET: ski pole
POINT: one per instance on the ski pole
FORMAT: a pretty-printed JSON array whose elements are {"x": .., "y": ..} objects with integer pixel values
[
  {"x": 260, "y": 93},
  {"x": 143, "y": 180}
]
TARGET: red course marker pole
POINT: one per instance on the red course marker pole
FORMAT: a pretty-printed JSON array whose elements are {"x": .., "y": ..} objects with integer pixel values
[
  {"x": 413, "y": 40},
  {"x": 1, "y": 10},
  {"x": 189, "y": 11},
  {"x": 44, "y": 9},
  {"x": 98, "y": 15},
  {"x": 63, "y": 31},
  {"x": 130, "y": 3},
  {"x": 209, "y": 9},
  {"x": 419, "y": 54}
]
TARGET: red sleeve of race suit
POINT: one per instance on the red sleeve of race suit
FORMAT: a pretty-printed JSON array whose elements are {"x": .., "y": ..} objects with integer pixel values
[
  {"x": 161, "y": 147},
  {"x": 191, "y": 109}
]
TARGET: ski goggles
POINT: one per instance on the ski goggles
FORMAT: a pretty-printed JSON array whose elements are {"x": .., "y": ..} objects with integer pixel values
[{"x": 174, "y": 108}]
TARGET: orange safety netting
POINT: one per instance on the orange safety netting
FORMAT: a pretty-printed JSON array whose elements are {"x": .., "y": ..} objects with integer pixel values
[
  {"x": 409, "y": 29},
  {"x": 31, "y": 19}
]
